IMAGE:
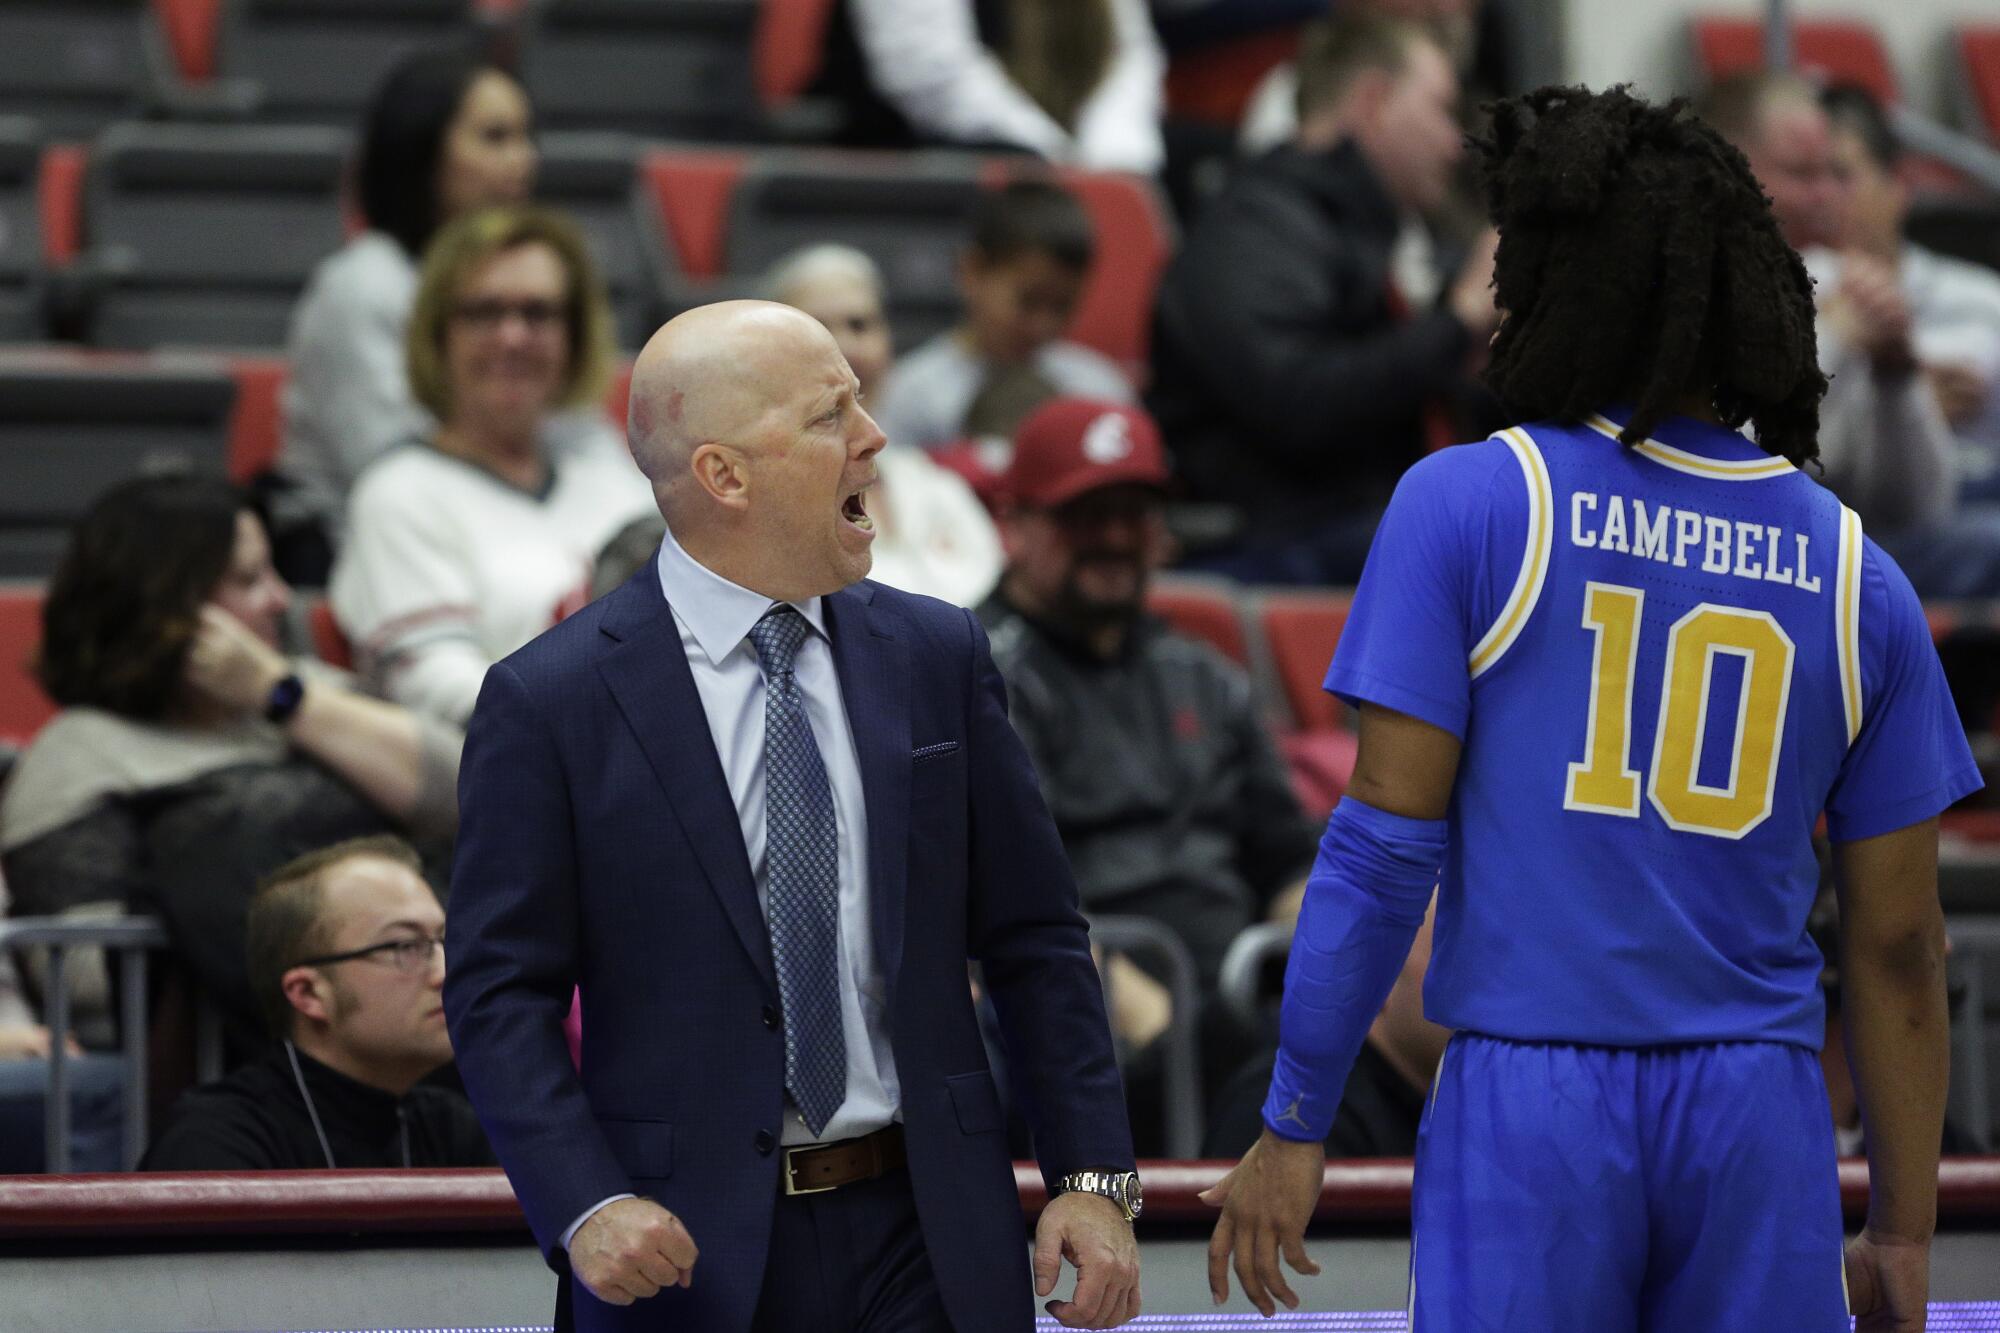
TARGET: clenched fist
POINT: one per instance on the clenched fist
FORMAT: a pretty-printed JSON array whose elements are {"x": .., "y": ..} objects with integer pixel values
[{"x": 630, "y": 1250}]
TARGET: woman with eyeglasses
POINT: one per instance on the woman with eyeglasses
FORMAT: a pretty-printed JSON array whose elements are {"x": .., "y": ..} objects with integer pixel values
[
  {"x": 469, "y": 540},
  {"x": 193, "y": 755},
  {"x": 448, "y": 132}
]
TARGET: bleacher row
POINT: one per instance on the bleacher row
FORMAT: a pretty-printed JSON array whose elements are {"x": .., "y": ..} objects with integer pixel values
[{"x": 115, "y": 244}]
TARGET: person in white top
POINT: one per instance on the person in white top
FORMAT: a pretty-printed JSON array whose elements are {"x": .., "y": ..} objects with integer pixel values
[
  {"x": 932, "y": 535},
  {"x": 470, "y": 541},
  {"x": 1022, "y": 272},
  {"x": 927, "y": 60},
  {"x": 447, "y": 133}
]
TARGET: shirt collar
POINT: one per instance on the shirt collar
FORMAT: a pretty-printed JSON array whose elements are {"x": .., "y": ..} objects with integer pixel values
[{"x": 719, "y": 613}]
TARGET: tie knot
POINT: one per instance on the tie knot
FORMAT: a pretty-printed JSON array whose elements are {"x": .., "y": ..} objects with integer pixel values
[{"x": 777, "y": 638}]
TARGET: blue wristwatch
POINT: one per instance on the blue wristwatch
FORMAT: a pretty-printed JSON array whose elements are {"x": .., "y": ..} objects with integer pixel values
[{"x": 286, "y": 696}]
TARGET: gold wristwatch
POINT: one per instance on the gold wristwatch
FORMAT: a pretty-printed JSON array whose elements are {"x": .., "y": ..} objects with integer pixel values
[{"x": 1121, "y": 1187}]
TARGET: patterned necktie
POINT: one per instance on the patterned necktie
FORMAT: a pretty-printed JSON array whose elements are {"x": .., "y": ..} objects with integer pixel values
[{"x": 804, "y": 878}]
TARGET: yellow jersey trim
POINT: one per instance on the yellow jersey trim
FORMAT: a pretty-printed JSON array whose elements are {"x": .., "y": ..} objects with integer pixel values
[
  {"x": 1680, "y": 460},
  {"x": 1847, "y": 618},
  {"x": 1534, "y": 560}
]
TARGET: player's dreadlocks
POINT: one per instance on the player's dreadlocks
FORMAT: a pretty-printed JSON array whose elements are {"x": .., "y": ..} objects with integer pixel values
[{"x": 1639, "y": 263}]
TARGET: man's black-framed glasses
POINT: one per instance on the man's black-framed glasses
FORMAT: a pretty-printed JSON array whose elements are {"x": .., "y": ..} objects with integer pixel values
[{"x": 412, "y": 954}]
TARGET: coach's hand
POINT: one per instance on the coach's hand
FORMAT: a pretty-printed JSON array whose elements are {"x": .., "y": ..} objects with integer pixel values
[
  {"x": 1266, "y": 1203},
  {"x": 630, "y": 1250},
  {"x": 1091, "y": 1232},
  {"x": 1888, "y": 1283}
]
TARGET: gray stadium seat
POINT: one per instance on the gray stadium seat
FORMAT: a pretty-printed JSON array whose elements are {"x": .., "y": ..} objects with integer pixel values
[
  {"x": 22, "y": 272},
  {"x": 595, "y": 178},
  {"x": 318, "y": 61},
  {"x": 908, "y": 212},
  {"x": 205, "y": 235},
  {"x": 77, "y": 65},
  {"x": 663, "y": 68},
  {"x": 68, "y": 431}
]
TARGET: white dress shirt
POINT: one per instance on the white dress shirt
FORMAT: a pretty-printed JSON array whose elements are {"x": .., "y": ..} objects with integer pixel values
[{"x": 714, "y": 617}]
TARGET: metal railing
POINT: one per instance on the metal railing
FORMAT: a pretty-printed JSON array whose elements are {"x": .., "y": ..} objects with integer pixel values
[
  {"x": 131, "y": 939},
  {"x": 1144, "y": 938}
]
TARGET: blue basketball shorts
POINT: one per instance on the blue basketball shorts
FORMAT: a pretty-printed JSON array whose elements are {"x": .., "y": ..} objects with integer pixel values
[{"x": 1602, "y": 1190}]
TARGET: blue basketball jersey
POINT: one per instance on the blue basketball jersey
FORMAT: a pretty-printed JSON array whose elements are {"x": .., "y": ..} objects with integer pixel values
[{"x": 1664, "y": 661}]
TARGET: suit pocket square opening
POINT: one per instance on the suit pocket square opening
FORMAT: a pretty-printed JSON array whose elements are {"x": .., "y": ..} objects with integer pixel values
[{"x": 938, "y": 751}]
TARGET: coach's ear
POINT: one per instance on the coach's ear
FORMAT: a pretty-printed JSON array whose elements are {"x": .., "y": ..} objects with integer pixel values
[{"x": 722, "y": 472}]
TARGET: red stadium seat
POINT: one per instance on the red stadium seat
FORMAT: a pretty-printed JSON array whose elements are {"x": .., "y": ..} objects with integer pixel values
[
  {"x": 618, "y": 396},
  {"x": 60, "y": 198},
  {"x": 191, "y": 26},
  {"x": 791, "y": 41},
  {"x": 1214, "y": 83},
  {"x": 23, "y": 706},
  {"x": 693, "y": 186},
  {"x": 329, "y": 641},
  {"x": 1302, "y": 629},
  {"x": 1202, "y": 609},
  {"x": 1135, "y": 238},
  {"x": 1837, "y": 50},
  {"x": 1979, "y": 62},
  {"x": 254, "y": 421}
]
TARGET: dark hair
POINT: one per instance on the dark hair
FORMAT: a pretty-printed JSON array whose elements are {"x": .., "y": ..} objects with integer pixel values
[
  {"x": 402, "y": 140},
  {"x": 1639, "y": 263},
  {"x": 1854, "y": 109},
  {"x": 1335, "y": 51},
  {"x": 1032, "y": 217},
  {"x": 126, "y": 599},
  {"x": 282, "y": 926}
]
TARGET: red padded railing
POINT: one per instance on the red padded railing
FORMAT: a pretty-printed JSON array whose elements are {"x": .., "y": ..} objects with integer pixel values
[{"x": 303, "y": 1203}]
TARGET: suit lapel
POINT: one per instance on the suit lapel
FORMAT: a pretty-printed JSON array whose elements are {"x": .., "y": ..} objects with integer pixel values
[
  {"x": 874, "y": 670},
  {"x": 648, "y": 675}
]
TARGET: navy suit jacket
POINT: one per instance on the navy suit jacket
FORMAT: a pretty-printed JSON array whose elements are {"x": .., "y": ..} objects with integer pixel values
[{"x": 599, "y": 847}]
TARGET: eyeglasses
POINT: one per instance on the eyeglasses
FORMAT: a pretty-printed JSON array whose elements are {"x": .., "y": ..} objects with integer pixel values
[
  {"x": 407, "y": 955},
  {"x": 486, "y": 315}
]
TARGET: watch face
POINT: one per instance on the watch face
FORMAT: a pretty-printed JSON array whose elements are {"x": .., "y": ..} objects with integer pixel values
[{"x": 1135, "y": 1194}]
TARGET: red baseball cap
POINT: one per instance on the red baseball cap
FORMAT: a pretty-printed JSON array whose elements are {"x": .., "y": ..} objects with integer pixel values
[{"x": 1072, "y": 445}]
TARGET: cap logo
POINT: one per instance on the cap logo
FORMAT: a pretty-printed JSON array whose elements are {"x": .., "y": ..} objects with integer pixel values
[{"x": 1107, "y": 439}]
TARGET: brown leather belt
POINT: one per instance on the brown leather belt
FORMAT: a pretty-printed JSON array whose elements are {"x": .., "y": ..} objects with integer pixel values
[{"x": 818, "y": 1168}]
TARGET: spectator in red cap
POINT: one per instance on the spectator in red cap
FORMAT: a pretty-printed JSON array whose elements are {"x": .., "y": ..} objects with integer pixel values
[{"x": 1170, "y": 797}]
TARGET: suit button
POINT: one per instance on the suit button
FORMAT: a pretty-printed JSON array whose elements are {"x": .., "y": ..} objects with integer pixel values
[
  {"x": 765, "y": 1142},
  {"x": 771, "y": 1017}
]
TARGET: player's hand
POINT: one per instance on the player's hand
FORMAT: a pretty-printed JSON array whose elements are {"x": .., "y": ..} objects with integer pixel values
[
  {"x": 1888, "y": 1283},
  {"x": 1266, "y": 1203},
  {"x": 1091, "y": 1232},
  {"x": 630, "y": 1250}
]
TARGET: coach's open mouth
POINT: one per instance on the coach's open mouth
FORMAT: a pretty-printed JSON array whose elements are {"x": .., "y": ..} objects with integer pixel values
[{"x": 855, "y": 510}]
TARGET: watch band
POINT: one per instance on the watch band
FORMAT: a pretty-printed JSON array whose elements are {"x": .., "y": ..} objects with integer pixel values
[
  {"x": 1121, "y": 1187},
  {"x": 286, "y": 696}
]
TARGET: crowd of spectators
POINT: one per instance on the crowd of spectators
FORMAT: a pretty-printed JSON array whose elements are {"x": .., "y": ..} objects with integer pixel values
[{"x": 447, "y": 472}]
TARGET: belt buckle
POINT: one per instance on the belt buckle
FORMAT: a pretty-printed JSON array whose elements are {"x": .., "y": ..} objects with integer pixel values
[{"x": 792, "y": 1187}]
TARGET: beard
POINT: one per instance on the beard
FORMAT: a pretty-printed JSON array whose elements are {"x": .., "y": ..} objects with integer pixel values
[{"x": 1085, "y": 611}]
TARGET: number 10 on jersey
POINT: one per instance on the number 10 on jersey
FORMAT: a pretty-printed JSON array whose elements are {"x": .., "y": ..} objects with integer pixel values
[{"x": 1604, "y": 781}]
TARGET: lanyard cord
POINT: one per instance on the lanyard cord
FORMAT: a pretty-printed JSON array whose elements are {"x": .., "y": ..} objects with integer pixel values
[{"x": 292, "y": 1053}]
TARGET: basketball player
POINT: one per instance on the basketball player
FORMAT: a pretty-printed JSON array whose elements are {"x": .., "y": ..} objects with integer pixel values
[{"x": 1612, "y": 667}]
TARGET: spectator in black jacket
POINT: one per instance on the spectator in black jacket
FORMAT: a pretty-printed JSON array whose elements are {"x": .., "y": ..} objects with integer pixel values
[
  {"x": 347, "y": 960},
  {"x": 1170, "y": 797},
  {"x": 1305, "y": 350}
]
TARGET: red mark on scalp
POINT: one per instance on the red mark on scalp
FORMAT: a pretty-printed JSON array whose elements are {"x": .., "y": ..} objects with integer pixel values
[{"x": 675, "y": 402}]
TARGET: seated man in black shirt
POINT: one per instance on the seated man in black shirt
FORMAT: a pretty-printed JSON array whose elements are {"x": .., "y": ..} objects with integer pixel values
[
  {"x": 347, "y": 961},
  {"x": 1383, "y": 1102}
]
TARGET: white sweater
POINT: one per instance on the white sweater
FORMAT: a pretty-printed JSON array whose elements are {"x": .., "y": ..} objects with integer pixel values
[{"x": 447, "y": 568}]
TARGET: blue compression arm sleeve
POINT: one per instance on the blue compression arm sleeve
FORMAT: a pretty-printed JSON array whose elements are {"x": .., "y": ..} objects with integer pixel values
[{"x": 1364, "y": 902}]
